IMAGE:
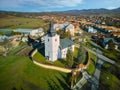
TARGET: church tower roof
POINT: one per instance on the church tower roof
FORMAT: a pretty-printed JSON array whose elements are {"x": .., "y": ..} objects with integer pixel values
[{"x": 51, "y": 31}]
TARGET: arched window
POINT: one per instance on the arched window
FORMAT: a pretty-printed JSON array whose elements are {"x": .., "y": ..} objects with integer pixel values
[
  {"x": 48, "y": 40},
  {"x": 56, "y": 40}
]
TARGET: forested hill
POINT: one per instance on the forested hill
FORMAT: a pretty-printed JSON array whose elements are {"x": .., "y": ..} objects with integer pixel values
[{"x": 69, "y": 12}]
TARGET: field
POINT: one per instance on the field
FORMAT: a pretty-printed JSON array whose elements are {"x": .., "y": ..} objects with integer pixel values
[
  {"x": 110, "y": 77},
  {"x": 91, "y": 67},
  {"x": 20, "y": 22},
  {"x": 19, "y": 73}
]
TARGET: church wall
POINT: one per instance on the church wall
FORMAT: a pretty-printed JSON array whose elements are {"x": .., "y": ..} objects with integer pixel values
[{"x": 51, "y": 47}]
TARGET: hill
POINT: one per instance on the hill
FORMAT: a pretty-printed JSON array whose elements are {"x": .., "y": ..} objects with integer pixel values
[{"x": 101, "y": 11}]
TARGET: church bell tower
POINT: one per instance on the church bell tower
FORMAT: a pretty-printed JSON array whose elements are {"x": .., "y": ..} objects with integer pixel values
[{"x": 52, "y": 43}]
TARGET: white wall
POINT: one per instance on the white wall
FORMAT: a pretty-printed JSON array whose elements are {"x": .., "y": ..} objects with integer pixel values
[
  {"x": 52, "y": 47},
  {"x": 64, "y": 51}
]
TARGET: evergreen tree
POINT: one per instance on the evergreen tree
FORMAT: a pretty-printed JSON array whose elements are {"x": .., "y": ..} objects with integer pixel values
[{"x": 69, "y": 57}]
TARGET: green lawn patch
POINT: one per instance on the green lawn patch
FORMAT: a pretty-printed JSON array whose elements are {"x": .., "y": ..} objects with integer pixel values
[
  {"x": 40, "y": 58},
  {"x": 75, "y": 52},
  {"x": 91, "y": 67},
  {"x": 109, "y": 81},
  {"x": 108, "y": 78},
  {"x": 20, "y": 73},
  {"x": 14, "y": 50}
]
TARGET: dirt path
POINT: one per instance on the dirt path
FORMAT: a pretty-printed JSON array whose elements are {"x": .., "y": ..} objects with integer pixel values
[{"x": 65, "y": 70}]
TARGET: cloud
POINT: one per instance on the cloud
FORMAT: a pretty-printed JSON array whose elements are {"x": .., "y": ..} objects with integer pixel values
[
  {"x": 112, "y": 4},
  {"x": 40, "y": 3},
  {"x": 111, "y": 7}
]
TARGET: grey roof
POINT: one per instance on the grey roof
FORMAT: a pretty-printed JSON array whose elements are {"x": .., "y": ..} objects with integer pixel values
[
  {"x": 106, "y": 40},
  {"x": 5, "y": 30},
  {"x": 51, "y": 31},
  {"x": 63, "y": 26},
  {"x": 64, "y": 43},
  {"x": 23, "y": 30}
]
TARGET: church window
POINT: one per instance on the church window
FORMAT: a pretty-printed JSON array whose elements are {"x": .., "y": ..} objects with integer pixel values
[
  {"x": 48, "y": 40},
  {"x": 55, "y": 39}
]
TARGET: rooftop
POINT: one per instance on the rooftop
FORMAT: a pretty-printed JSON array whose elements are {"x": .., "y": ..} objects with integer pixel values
[{"x": 64, "y": 43}]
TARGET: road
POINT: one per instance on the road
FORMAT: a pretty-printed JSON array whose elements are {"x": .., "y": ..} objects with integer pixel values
[
  {"x": 96, "y": 76},
  {"x": 81, "y": 82},
  {"x": 101, "y": 57}
]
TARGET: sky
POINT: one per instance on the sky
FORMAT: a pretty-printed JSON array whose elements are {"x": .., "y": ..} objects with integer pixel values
[{"x": 56, "y": 5}]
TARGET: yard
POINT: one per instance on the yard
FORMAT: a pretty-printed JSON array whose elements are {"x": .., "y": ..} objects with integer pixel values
[
  {"x": 20, "y": 73},
  {"x": 40, "y": 58}
]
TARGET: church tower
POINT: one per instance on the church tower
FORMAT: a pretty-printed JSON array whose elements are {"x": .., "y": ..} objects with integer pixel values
[{"x": 52, "y": 43}]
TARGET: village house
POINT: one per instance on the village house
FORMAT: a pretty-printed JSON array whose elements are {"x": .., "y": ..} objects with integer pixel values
[
  {"x": 32, "y": 32},
  {"x": 65, "y": 28}
]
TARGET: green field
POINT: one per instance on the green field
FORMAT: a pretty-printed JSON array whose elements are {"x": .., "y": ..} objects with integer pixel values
[
  {"x": 19, "y": 73},
  {"x": 20, "y": 22},
  {"x": 109, "y": 78},
  {"x": 40, "y": 58},
  {"x": 91, "y": 67}
]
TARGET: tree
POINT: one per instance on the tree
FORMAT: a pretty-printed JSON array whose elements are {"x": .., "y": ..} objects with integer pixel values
[
  {"x": 81, "y": 54},
  {"x": 69, "y": 57},
  {"x": 67, "y": 34}
]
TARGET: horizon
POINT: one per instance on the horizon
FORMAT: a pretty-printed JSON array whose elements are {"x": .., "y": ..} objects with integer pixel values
[{"x": 56, "y": 5}]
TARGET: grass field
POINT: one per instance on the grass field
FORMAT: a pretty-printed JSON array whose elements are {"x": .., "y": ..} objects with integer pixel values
[
  {"x": 40, "y": 58},
  {"x": 109, "y": 78},
  {"x": 91, "y": 67},
  {"x": 19, "y": 73},
  {"x": 61, "y": 62},
  {"x": 20, "y": 22}
]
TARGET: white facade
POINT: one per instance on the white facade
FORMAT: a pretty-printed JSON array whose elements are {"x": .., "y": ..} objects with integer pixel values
[
  {"x": 63, "y": 52},
  {"x": 33, "y": 32},
  {"x": 92, "y": 30},
  {"x": 52, "y": 47}
]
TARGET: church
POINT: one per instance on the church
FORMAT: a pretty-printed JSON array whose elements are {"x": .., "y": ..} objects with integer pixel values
[{"x": 56, "y": 48}]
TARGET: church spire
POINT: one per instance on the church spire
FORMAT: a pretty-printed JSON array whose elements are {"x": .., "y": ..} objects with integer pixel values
[{"x": 51, "y": 31}]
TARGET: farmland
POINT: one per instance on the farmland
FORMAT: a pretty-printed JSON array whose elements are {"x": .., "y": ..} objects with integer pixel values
[{"x": 20, "y": 22}]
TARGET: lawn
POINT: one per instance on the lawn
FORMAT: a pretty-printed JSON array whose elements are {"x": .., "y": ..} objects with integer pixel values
[
  {"x": 14, "y": 50},
  {"x": 112, "y": 54},
  {"x": 19, "y": 73},
  {"x": 109, "y": 78},
  {"x": 75, "y": 52},
  {"x": 20, "y": 22},
  {"x": 40, "y": 58},
  {"x": 61, "y": 62},
  {"x": 91, "y": 67}
]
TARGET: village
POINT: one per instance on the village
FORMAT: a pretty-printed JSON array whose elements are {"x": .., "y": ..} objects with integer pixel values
[{"x": 80, "y": 47}]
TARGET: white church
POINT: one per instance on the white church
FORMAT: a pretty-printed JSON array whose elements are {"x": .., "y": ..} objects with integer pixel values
[{"x": 56, "y": 48}]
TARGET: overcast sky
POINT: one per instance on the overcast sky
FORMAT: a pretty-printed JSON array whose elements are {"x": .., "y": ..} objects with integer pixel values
[{"x": 56, "y": 5}]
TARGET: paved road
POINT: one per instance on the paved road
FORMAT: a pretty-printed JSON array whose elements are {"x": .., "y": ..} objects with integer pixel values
[
  {"x": 101, "y": 57},
  {"x": 81, "y": 82},
  {"x": 96, "y": 76}
]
